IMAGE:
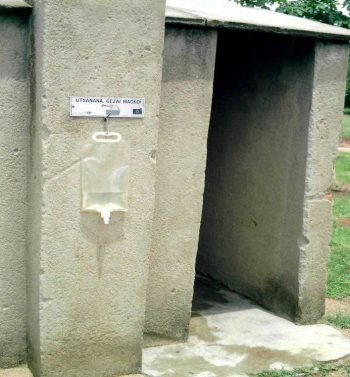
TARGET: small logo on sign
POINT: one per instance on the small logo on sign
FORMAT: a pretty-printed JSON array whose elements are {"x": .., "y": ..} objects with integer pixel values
[{"x": 137, "y": 111}]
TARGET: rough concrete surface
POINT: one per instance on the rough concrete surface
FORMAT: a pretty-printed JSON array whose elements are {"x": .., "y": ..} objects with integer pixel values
[
  {"x": 266, "y": 222},
  {"x": 25, "y": 372},
  {"x": 16, "y": 372},
  {"x": 221, "y": 13},
  {"x": 187, "y": 83},
  {"x": 231, "y": 336},
  {"x": 87, "y": 281},
  {"x": 14, "y": 125},
  {"x": 325, "y": 120},
  {"x": 257, "y": 148}
]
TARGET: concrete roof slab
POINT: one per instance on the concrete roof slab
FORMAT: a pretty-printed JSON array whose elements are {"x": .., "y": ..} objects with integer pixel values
[
  {"x": 225, "y": 14},
  {"x": 14, "y": 5}
]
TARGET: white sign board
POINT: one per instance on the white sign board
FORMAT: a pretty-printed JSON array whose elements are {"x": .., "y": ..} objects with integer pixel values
[{"x": 107, "y": 107}]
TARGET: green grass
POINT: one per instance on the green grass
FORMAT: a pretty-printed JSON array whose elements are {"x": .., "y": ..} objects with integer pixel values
[
  {"x": 341, "y": 233},
  {"x": 342, "y": 168},
  {"x": 338, "y": 283},
  {"x": 339, "y": 320},
  {"x": 319, "y": 370},
  {"x": 341, "y": 208},
  {"x": 345, "y": 132}
]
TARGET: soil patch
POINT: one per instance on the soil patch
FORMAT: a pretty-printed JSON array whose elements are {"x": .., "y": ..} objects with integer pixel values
[
  {"x": 337, "y": 306},
  {"x": 334, "y": 307},
  {"x": 344, "y": 145},
  {"x": 345, "y": 223},
  {"x": 344, "y": 142},
  {"x": 340, "y": 189}
]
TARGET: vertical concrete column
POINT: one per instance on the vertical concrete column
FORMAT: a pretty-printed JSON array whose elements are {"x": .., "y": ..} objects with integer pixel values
[
  {"x": 87, "y": 281},
  {"x": 330, "y": 69},
  {"x": 188, "y": 70},
  {"x": 14, "y": 128}
]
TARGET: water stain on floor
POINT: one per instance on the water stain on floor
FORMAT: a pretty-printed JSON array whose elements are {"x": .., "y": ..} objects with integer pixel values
[{"x": 231, "y": 336}]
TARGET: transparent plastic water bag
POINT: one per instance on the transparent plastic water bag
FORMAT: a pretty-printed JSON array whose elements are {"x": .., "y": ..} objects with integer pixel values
[{"x": 105, "y": 174}]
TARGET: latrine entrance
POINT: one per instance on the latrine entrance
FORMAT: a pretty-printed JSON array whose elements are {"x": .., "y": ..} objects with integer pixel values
[
  {"x": 255, "y": 173},
  {"x": 239, "y": 122}
]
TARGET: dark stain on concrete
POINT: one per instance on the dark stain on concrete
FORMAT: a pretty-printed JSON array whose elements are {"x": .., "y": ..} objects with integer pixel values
[
  {"x": 206, "y": 294},
  {"x": 199, "y": 327}
]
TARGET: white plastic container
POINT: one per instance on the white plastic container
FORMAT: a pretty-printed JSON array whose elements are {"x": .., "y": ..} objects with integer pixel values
[{"x": 105, "y": 174}]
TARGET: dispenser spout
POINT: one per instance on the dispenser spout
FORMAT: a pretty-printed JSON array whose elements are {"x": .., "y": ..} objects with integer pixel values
[{"x": 106, "y": 215}]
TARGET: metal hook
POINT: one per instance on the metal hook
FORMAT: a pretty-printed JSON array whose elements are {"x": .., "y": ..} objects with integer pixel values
[{"x": 106, "y": 123}]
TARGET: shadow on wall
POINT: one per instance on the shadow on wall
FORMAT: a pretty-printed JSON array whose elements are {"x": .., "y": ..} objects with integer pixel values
[{"x": 92, "y": 226}]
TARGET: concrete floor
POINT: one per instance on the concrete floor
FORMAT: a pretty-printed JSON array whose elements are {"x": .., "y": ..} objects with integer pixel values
[
  {"x": 231, "y": 336},
  {"x": 25, "y": 372},
  {"x": 22, "y": 371}
]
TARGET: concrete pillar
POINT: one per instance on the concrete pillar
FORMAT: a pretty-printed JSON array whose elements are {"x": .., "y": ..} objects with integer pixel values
[
  {"x": 189, "y": 60},
  {"x": 330, "y": 68},
  {"x": 14, "y": 127},
  {"x": 87, "y": 281}
]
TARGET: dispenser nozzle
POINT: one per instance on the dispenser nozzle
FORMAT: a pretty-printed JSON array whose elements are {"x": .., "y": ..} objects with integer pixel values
[{"x": 106, "y": 215}]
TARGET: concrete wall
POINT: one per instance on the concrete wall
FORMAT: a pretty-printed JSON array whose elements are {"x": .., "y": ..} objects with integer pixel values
[
  {"x": 326, "y": 113},
  {"x": 87, "y": 281},
  {"x": 188, "y": 69},
  {"x": 265, "y": 227},
  {"x": 14, "y": 127},
  {"x": 255, "y": 180}
]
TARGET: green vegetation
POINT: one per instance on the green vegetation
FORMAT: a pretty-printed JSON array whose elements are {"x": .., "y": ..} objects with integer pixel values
[
  {"x": 338, "y": 273},
  {"x": 342, "y": 168},
  {"x": 339, "y": 320},
  {"x": 320, "y": 370},
  {"x": 338, "y": 284},
  {"x": 345, "y": 133},
  {"x": 327, "y": 11}
]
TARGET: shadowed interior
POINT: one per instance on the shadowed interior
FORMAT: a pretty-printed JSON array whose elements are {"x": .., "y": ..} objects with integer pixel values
[{"x": 255, "y": 176}]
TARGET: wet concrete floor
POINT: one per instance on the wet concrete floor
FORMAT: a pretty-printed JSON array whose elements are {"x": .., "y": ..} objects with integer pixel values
[{"x": 231, "y": 336}]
